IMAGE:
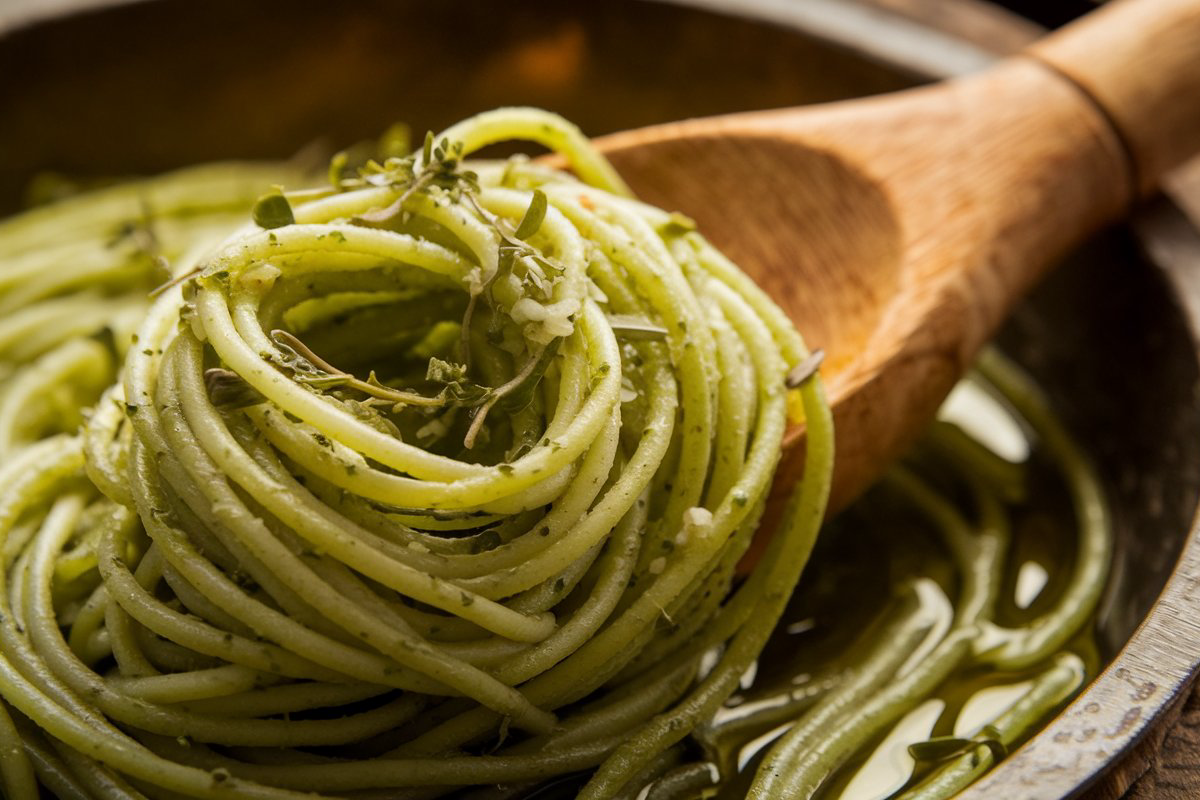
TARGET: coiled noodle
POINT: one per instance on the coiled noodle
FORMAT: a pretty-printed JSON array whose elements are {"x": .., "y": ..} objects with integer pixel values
[{"x": 435, "y": 478}]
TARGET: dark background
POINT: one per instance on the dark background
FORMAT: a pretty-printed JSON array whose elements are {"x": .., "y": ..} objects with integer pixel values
[{"x": 1051, "y": 14}]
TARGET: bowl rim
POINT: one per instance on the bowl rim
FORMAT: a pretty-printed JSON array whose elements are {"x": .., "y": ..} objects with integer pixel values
[{"x": 1152, "y": 673}]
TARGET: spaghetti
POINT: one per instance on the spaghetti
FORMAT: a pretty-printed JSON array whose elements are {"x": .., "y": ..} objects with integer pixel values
[{"x": 434, "y": 478}]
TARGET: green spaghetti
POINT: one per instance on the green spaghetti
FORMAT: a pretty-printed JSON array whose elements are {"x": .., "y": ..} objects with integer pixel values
[{"x": 435, "y": 480}]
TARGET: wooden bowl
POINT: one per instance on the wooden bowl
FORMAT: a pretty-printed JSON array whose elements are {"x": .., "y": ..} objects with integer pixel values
[{"x": 136, "y": 88}]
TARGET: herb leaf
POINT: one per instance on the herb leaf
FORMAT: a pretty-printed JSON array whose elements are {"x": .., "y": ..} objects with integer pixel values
[
  {"x": 456, "y": 386},
  {"x": 521, "y": 394},
  {"x": 629, "y": 326},
  {"x": 945, "y": 748},
  {"x": 533, "y": 216},
  {"x": 273, "y": 211},
  {"x": 677, "y": 225}
]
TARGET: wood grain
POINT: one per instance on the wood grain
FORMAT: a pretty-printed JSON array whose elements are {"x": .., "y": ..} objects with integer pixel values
[
  {"x": 1139, "y": 767},
  {"x": 1157, "y": 767},
  {"x": 921, "y": 219},
  {"x": 1174, "y": 767},
  {"x": 1165, "y": 764},
  {"x": 1140, "y": 61},
  {"x": 1184, "y": 185}
]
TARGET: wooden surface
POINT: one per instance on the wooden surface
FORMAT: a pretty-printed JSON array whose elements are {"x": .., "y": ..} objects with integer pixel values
[
  {"x": 924, "y": 216},
  {"x": 1164, "y": 765},
  {"x": 1140, "y": 61},
  {"x": 1173, "y": 768}
]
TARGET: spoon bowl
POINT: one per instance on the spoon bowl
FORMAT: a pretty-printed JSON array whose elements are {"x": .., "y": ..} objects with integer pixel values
[
  {"x": 898, "y": 231},
  {"x": 810, "y": 207}
]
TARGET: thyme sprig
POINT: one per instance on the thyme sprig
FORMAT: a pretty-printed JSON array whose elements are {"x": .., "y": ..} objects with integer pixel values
[
  {"x": 458, "y": 390},
  {"x": 438, "y": 168},
  {"x": 513, "y": 250},
  {"x": 441, "y": 167},
  {"x": 309, "y": 368},
  {"x": 517, "y": 393}
]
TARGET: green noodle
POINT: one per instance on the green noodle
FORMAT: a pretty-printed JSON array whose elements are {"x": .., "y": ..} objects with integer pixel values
[{"x": 437, "y": 477}]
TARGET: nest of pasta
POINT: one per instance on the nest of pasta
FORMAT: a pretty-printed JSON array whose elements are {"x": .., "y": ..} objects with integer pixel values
[
  {"x": 440, "y": 479},
  {"x": 433, "y": 478}
]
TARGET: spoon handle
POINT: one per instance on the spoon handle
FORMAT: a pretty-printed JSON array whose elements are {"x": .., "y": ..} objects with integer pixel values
[{"x": 1139, "y": 61}]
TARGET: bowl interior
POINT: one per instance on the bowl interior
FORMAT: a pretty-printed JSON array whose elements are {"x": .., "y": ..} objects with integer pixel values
[
  {"x": 146, "y": 87},
  {"x": 151, "y": 86}
]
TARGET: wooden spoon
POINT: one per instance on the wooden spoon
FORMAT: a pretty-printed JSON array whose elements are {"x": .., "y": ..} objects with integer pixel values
[{"x": 898, "y": 231}]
